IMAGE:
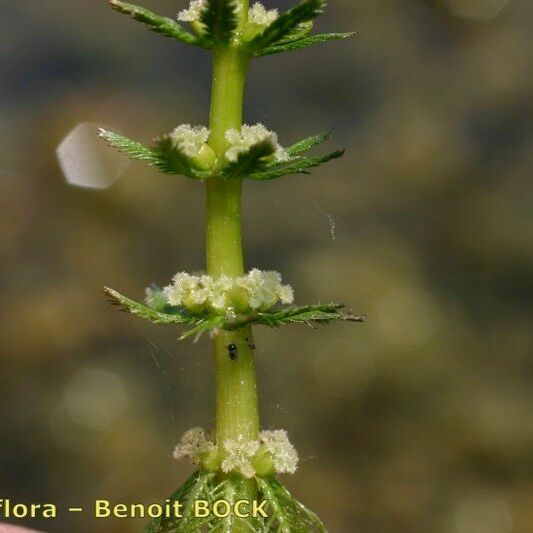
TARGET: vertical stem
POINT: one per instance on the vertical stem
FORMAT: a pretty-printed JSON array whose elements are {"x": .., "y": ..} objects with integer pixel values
[{"x": 237, "y": 412}]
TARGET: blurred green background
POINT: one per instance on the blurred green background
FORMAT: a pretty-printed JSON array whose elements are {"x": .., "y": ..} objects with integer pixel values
[{"x": 421, "y": 420}]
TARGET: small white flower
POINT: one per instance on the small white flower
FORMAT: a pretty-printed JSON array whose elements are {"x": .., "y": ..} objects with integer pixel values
[
  {"x": 194, "y": 11},
  {"x": 259, "y": 15},
  {"x": 264, "y": 289},
  {"x": 286, "y": 294},
  {"x": 185, "y": 290},
  {"x": 239, "y": 453},
  {"x": 284, "y": 455},
  {"x": 242, "y": 141},
  {"x": 193, "y": 445},
  {"x": 190, "y": 139}
]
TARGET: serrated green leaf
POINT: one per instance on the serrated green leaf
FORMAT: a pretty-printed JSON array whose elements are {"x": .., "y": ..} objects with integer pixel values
[
  {"x": 173, "y": 315},
  {"x": 279, "y": 47},
  {"x": 171, "y": 161},
  {"x": 308, "y": 314},
  {"x": 299, "y": 32},
  {"x": 288, "y": 514},
  {"x": 219, "y": 19},
  {"x": 132, "y": 149},
  {"x": 308, "y": 143},
  {"x": 199, "y": 486},
  {"x": 249, "y": 162},
  {"x": 298, "y": 165},
  {"x": 287, "y": 23},
  {"x": 163, "y": 25},
  {"x": 164, "y": 155}
]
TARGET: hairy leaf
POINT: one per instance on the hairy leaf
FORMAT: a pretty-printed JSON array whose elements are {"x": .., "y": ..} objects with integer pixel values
[
  {"x": 199, "y": 486},
  {"x": 298, "y": 165},
  {"x": 164, "y": 155},
  {"x": 287, "y": 514},
  {"x": 279, "y": 47},
  {"x": 308, "y": 143},
  {"x": 164, "y": 25},
  {"x": 172, "y": 315},
  {"x": 249, "y": 162},
  {"x": 308, "y": 314},
  {"x": 132, "y": 149},
  {"x": 220, "y": 20},
  {"x": 287, "y": 23}
]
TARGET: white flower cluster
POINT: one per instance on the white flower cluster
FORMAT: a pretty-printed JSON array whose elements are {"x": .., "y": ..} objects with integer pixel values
[
  {"x": 194, "y": 12},
  {"x": 238, "y": 455},
  {"x": 263, "y": 290},
  {"x": 284, "y": 455},
  {"x": 259, "y": 15},
  {"x": 244, "y": 140},
  {"x": 255, "y": 290},
  {"x": 194, "y": 446},
  {"x": 190, "y": 139}
]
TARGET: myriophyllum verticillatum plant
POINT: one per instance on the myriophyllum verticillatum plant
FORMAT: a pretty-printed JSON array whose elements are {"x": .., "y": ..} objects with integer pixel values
[{"x": 237, "y": 460}]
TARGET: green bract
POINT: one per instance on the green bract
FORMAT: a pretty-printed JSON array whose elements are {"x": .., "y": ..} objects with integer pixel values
[
  {"x": 205, "y": 322},
  {"x": 283, "y": 512},
  {"x": 254, "y": 164},
  {"x": 219, "y": 23}
]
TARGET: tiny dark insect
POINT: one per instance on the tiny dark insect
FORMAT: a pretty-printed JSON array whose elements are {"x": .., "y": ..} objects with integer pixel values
[{"x": 232, "y": 351}]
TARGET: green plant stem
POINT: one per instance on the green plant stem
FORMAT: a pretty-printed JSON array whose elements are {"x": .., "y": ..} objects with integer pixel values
[{"x": 237, "y": 412}]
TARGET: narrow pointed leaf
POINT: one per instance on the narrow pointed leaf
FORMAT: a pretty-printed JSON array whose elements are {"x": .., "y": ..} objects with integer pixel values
[
  {"x": 174, "y": 315},
  {"x": 198, "y": 486},
  {"x": 163, "y": 25},
  {"x": 249, "y": 162},
  {"x": 299, "y": 165},
  {"x": 278, "y": 48},
  {"x": 164, "y": 155},
  {"x": 308, "y": 314},
  {"x": 132, "y": 149},
  {"x": 308, "y": 143},
  {"x": 220, "y": 20},
  {"x": 288, "y": 514},
  {"x": 288, "y": 22}
]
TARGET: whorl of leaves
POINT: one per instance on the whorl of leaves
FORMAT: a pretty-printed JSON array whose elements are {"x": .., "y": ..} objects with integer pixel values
[
  {"x": 284, "y": 513},
  {"x": 207, "y": 322}
]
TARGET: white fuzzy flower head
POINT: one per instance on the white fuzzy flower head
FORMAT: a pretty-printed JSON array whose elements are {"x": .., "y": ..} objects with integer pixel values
[
  {"x": 244, "y": 140},
  {"x": 284, "y": 455},
  {"x": 194, "y": 12},
  {"x": 193, "y": 445},
  {"x": 259, "y": 15},
  {"x": 255, "y": 290},
  {"x": 186, "y": 291},
  {"x": 239, "y": 454},
  {"x": 190, "y": 139},
  {"x": 264, "y": 289}
]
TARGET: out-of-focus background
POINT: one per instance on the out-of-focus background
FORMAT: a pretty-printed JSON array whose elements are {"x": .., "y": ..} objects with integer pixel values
[{"x": 421, "y": 420}]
